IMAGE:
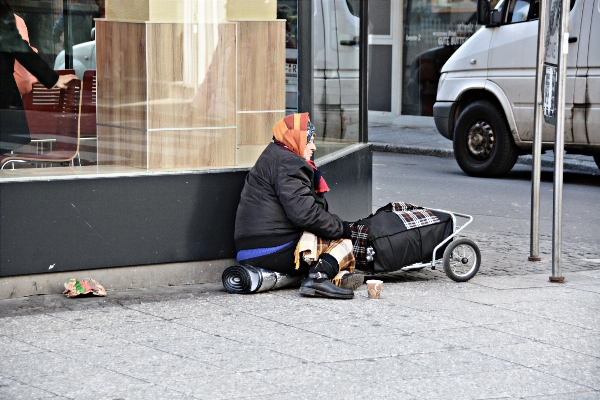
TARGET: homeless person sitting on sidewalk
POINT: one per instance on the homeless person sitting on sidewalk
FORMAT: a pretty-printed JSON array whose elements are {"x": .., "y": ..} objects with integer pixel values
[{"x": 283, "y": 212}]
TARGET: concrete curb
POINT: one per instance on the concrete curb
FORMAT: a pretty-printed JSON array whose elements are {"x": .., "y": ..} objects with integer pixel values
[
  {"x": 419, "y": 150},
  {"x": 568, "y": 164},
  {"x": 523, "y": 160},
  {"x": 120, "y": 278}
]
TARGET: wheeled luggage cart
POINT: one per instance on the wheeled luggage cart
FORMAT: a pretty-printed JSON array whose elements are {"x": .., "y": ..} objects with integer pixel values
[{"x": 460, "y": 258}]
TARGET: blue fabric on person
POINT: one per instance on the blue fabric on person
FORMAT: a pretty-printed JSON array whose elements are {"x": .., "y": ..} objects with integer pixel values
[{"x": 262, "y": 251}]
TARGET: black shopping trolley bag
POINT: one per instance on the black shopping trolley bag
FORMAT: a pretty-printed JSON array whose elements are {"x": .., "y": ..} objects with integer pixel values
[{"x": 403, "y": 234}]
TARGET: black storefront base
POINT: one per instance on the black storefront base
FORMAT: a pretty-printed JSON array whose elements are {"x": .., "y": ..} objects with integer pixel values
[{"x": 91, "y": 223}]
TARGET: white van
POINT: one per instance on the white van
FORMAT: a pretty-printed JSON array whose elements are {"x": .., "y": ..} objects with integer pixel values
[{"x": 486, "y": 92}]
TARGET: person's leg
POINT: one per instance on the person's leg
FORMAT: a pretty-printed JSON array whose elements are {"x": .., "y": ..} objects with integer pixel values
[
  {"x": 281, "y": 261},
  {"x": 333, "y": 257},
  {"x": 343, "y": 252}
]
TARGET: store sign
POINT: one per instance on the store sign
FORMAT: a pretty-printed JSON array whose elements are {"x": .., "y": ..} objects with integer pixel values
[
  {"x": 552, "y": 47},
  {"x": 549, "y": 93},
  {"x": 291, "y": 80},
  {"x": 552, "y": 43},
  {"x": 454, "y": 37}
]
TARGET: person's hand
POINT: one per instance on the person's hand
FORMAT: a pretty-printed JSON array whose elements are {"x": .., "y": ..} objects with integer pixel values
[{"x": 63, "y": 80}]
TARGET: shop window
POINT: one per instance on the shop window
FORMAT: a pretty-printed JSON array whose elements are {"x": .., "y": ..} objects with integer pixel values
[
  {"x": 433, "y": 31},
  {"x": 335, "y": 40},
  {"x": 335, "y": 31},
  {"x": 288, "y": 11},
  {"x": 180, "y": 86}
]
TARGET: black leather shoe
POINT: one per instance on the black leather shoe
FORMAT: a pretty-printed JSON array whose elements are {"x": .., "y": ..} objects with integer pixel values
[{"x": 310, "y": 287}]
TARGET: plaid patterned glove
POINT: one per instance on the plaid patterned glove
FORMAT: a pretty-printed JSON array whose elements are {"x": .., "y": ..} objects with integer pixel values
[{"x": 360, "y": 234}]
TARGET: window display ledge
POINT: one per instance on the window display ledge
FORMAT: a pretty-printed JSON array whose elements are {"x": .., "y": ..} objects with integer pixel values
[
  {"x": 96, "y": 172},
  {"x": 334, "y": 155},
  {"x": 116, "y": 171}
]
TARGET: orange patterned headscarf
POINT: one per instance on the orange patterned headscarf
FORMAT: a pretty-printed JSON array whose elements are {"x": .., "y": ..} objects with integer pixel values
[{"x": 292, "y": 131}]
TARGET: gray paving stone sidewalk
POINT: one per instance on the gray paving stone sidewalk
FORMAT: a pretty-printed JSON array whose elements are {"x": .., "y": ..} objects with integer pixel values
[{"x": 492, "y": 337}]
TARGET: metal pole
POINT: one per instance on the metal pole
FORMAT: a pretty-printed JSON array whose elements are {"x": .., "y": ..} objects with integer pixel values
[
  {"x": 559, "y": 146},
  {"x": 305, "y": 57},
  {"x": 536, "y": 154},
  {"x": 67, "y": 35},
  {"x": 363, "y": 121}
]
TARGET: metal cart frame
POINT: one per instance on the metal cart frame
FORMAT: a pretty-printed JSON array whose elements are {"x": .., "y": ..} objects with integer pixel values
[{"x": 461, "y": 259}]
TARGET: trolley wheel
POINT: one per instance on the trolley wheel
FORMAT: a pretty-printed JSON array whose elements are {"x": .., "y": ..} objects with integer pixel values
[{"x": 461, "y": 260}]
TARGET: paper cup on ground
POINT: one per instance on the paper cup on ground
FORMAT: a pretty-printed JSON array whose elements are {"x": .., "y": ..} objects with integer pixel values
[{"x": 374, "y": 288}]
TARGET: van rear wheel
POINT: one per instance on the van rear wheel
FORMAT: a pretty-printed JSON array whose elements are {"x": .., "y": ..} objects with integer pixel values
[{"x": 482, "y": 142}]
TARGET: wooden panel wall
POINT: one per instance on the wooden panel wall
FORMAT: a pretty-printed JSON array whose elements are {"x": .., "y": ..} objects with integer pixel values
[
  {"x": 257, "y": 127},
  {"x": 261, "y": 65},
  {"x": 191, "y": 84},
  {"x": 121, "y": 73},
  {"x": 122, "y": 146},
  {"x": 121, "y": 93},
  {"x": 191, "y": 148},
  {"x": 180, "y": 108},
  {"x": 178, "y": 96},
  {"x": 261, "y": 79}
]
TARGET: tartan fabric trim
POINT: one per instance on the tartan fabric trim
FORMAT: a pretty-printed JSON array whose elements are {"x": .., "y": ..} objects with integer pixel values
[
  {"x": 310, "y": 247},
  {"x": 307, "y": 249},
  {"x": 414, "y": 216},
  {"x": 402, "y": 206},
  {"x": 341, "y": 250},
  {"x": 360, "y": 235}
]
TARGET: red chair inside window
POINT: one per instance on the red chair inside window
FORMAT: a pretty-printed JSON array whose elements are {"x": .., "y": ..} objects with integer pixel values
[
  {"x": 52, "y": 115},
  {"x": 42, "y": 110}
]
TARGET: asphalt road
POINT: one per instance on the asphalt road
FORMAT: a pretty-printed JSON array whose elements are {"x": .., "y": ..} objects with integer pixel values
[{"x": 498, "y": 205}]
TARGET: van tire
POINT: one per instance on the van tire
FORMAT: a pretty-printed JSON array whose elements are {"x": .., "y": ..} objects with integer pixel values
[
  {"x": 482, "y": 142},
  {"x": 597, "y": 160}
]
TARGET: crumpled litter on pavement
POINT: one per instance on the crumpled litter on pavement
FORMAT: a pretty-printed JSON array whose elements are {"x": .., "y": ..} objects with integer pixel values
[{"x": 74, "y": 287}]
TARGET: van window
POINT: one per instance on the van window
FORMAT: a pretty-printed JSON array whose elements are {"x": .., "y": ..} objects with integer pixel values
[
  {"x": 522, "y": 10},
  {"x": 525, "y": 10},
  {"x": 353, "y": 6}
]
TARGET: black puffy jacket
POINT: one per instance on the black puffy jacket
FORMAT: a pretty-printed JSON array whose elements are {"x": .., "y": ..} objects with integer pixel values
[{"x": 278, "y": 203}]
